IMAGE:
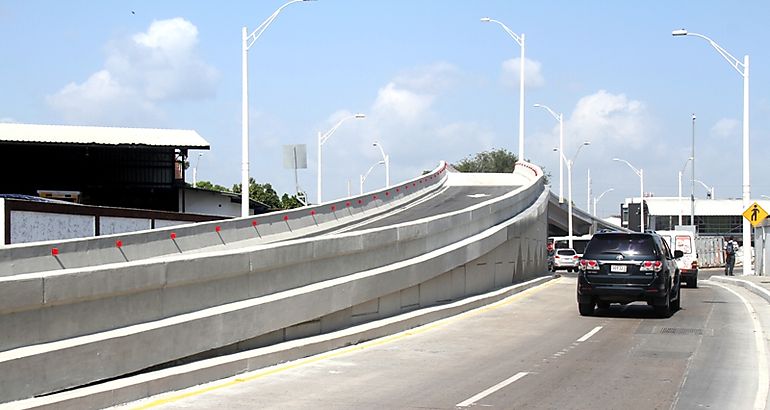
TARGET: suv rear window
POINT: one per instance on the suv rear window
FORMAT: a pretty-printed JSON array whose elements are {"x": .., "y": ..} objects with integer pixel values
[
  {"x": 625, "y": 244},
  {"x": 566, "y": 252}
]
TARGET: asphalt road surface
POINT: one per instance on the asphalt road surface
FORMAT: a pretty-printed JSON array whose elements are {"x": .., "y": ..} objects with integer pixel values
[
  {"x": 444, "y": 201},
  {"x": 530, "y": 351}
]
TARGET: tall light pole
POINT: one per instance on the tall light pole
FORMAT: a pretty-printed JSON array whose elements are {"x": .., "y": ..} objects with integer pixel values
[
  {"x": 322, "y": 138},
  {"x": 386, "y": 160},
  {"x": 743, "y": 69},
  {"x": 195, "y": 170},
  {"x": 588, "y": 192},
  {"x": 519, "y": 39},
  {"x": 248, "y": 40},
  {"x": 560, "y": 118},
  {"x": 680, "y": 191},
  {"x": 599, "y": 198},
  {"x": 692, "y": 171},
  {"x": 710, "y": 190},
  {"x": 569, "y": 163},
  {"x": 640, "y": 173},
  {"x": 362, "y": 178}
]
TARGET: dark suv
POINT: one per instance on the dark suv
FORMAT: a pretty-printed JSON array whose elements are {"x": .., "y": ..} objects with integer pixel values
[{"x": 619, "y": 267}]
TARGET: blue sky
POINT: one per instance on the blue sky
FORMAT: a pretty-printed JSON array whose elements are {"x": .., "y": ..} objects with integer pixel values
[{"x": 435, "y": 83}]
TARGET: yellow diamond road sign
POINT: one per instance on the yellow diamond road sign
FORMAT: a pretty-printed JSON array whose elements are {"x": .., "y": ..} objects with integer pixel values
[{"x": 755, "y": 214}]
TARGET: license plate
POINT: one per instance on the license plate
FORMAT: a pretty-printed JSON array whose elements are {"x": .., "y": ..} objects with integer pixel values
[{"x": 618, "y": 268}]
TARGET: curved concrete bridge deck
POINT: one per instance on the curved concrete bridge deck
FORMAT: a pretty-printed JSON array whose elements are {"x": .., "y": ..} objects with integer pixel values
[{"x": 461, "y": 235}]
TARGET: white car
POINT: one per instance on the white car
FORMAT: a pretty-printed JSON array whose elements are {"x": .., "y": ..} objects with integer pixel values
[
  {"x": 564, "y": 258},
  {"x": 688, "y": 264}
]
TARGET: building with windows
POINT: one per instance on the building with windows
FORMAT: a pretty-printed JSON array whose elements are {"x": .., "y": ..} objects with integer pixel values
[{"x": 712, "y": 217}]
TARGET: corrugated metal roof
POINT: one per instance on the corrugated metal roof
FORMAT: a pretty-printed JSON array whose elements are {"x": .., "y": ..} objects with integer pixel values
[{"x": 75, "y": 134}]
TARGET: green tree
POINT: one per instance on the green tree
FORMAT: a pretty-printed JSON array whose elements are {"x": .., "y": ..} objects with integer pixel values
[
  {"x": 211, "y": 187},
  {"x": 263, "y": 193},
  {"x": 290, "y": 202},
  {"x": 499, "y": 160}
]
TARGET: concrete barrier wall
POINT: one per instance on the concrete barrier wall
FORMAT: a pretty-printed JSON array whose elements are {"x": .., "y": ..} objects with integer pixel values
[
  {"x": 38, "y": 257},
  {"x": 123, "y": 294},
  {"x": 418, "y": 264}
]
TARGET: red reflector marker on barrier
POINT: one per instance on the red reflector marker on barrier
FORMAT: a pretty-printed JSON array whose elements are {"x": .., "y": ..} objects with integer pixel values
[
  {"x": 387, "y": 193},
  {"x": 286, "y": 217},
  {"x": 312, "y": 212},
  {"x": 360, "y": 202},
  {"x": 334, "y": 208},
  {"x": 253, "y": 223},
  {"x": 218, "y": 228},
  {"x": 118, "y": 243},
  {"x": 173, "y": 235},
  {"x": 54, "y": 251},
  {"x": 374, "y": 197}
]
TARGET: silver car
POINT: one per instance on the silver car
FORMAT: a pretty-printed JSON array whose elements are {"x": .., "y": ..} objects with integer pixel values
[{"x": 566, "y": 259}]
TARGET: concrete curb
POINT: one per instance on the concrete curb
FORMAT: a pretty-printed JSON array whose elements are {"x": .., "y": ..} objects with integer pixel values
[
  {"x": 756, "y": 289},
  {"x": 162, "y": 381}
]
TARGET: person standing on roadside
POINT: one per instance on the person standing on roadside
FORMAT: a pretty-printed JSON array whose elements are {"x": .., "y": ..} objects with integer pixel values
[{"x": 730, "y": 248}]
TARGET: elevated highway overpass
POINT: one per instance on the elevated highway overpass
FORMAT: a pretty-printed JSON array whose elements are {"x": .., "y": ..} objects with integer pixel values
[{"x": 129, "y": 307}]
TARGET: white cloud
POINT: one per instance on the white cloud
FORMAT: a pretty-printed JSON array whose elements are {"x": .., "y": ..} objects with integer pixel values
[
  {"x": 610, "y": 119},
  {"x": 158, "y": 65},
  {"x": 101, "y": 98},
  {"x": 533, "y": 76},
  {"x": 7, "y": 120},
  {"x": 433, "y": 78},
  {"x": 401, "y": 103},
  {"x": 726, "y": 127},
  {"x": 413, "y": 132}
]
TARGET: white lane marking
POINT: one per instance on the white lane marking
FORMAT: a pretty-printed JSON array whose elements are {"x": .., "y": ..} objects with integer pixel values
[
  {"x": 760, "y": 400},
  {"x": 478, "y": 195},
  {"x": 492, "y": 389},
  {"x": 589, "y": 334}
]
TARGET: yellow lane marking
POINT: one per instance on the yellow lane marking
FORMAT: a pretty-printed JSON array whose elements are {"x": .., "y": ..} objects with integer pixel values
[{"x": 350, "y": 349}]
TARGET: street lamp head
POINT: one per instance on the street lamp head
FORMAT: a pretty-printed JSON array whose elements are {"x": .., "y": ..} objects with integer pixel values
[
  {"x": 555, "y": 149},
  {"x": 586, "y": 142},
  {"x": 486, "y": 19},
  {"x": 680, "y": 32},
  {"x": 536, "y": 105},
  {"x": 375, "y": 143},
  {"x": 359, "y": 115}
]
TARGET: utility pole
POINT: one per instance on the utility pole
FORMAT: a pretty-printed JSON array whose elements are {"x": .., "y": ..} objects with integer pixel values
[{"x": 692, "y": 180}]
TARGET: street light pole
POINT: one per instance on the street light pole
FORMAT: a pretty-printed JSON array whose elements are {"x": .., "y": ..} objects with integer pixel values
[
  {"x": 640, "y": 173},
  {"x": 743, "y": 69},
  {"x": 248, "y": 40},
  {"x": 599, "y": 198},
  {"x": 588, "y": 192},
  {"x": 570, "y": 162},
  {"x": 680, "y": 190},
  {"x": 519, "y": 39},
  {"x": 708, "y": 189},
  {"x": 362, "y": 178},
  {"x": 322, "y": 138},
  {"x": 560, "y": 118},
  {"x": 386, "y": 161},
  {"x": 692, "y": 170},
  {"x": 195, "y": 170}
]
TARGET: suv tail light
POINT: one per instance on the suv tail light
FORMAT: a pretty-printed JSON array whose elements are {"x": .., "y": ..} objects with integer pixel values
[
  {"x": 589, "y": 264},
  {"x": 695, "y": 264},
  {"x": 651, "y": 266},
  {"x": 556, "y": 256},
  {"x": 576, "y": 257}
]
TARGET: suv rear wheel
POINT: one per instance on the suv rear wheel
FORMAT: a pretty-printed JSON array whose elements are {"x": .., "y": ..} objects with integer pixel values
[
  {"x": 664, "y": 310},
  {"x": 676, "y": 305},
  {"x": 586, "y": 309}
]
